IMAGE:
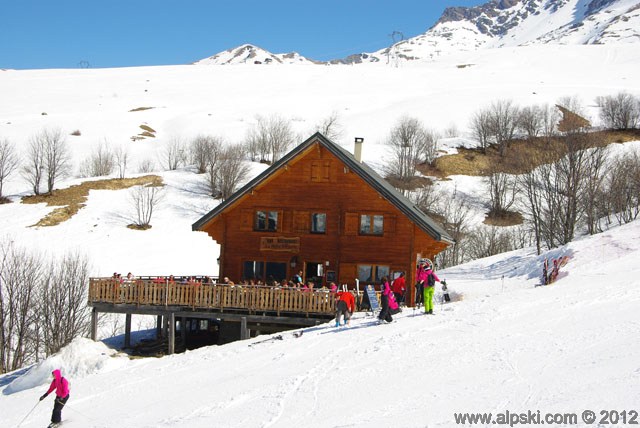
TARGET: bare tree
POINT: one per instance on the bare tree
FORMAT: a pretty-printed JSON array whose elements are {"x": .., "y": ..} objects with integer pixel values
[
  {"x": 99, "y": 163},
  {"x": 503, "y": 123},
  {"x": 56, "y": 156},
  {"x": 173, "y": 154},
  {"x": 593, "y": 196},
  {"x": 550, "y": 118},
  {"x": 63, "y": 313},
  {"x": 33, "y": 170},
  {"x": 331, "y": 127},
  {"x": 121, "y": 156},
  {"x": 146, "y": 166},
  {"x": 145, "y": 200},
  {"x": 621, "y": 111},
  {"x": 481, "y": 128},
  {"x": 502, "y": 192},
  {"x": 199, "y": 151},
  {"x": 9, "y": 162},
  {"x": 270, "y": 137},
  {"x": 20, "y": 274},
  {"x": 231, "y": 170},
  {"x": 486, "y": 241},
  {"x": 213, "y": 156},
  {"x": 623, "y": 187},
  {"x": 410, "y": 144},
  {"x": 456, "y": 212},
  {"x": 531, "y": 120}
]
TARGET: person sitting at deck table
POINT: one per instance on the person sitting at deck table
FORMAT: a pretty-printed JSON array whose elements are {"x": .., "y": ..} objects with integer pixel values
[{"x": 333, "y": 287}]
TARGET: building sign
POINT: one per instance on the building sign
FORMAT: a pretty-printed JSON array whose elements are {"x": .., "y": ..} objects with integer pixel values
[{"x": 280, "y": 243}]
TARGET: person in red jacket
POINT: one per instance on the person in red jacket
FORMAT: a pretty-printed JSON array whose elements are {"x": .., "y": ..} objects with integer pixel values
[
  {"x": 398, "y": 287},
  {"x": 345, "y": 306},
  {"x": 61, "y": 386}
]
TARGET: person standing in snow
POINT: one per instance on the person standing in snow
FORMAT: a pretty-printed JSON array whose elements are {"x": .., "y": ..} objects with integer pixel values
[
  {"x": 421, "y": 278},
  {"x": 429, "y": 287},
  {"x": 61, "y": 387},
  {"x": 398, "y": 288},
  {"x": 385, "y": 288},
  {"x": 345, "y": 306}
]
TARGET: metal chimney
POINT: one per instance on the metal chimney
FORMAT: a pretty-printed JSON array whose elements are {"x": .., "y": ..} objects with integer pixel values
[{"x": 357, "y": 151}]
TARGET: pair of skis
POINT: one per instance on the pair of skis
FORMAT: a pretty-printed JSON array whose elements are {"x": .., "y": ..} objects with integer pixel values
[{"x": 278, "y": 337}]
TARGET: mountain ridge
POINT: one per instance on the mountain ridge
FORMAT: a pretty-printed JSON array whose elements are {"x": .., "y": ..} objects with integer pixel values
[{"x": 495, "y": 24}]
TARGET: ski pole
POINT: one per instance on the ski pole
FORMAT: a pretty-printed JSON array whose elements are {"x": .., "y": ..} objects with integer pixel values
[{"x": 30, "y": 411}]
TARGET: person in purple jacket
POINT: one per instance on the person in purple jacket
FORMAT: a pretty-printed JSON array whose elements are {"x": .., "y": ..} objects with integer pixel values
[
  {"x": 61, "y": 387},
  {"x": 429, "y": 287}
]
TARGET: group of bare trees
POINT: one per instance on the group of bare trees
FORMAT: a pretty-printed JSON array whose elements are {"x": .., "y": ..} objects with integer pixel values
[
  {"x": 42, "y": 304},
  {"x": 411, "y": 144},
  {"x": 104, "y": 159}
]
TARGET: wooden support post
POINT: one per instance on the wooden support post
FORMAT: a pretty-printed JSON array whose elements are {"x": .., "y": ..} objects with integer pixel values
[
  {"x": 159, "y": 327},
  {"x": 127, "y": 331},
  {"x": 172, "y": 332},
  {"x": 244, "y": 332},
  {"x": 94, "y": 324}
]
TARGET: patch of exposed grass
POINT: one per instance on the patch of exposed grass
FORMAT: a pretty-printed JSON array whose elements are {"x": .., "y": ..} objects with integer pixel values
[
  {"x": 138, "y": 227},
  {"x": 148, "y": 128},
  {"x": 140, "y": 109},
  {"x": 504, "y": 218},
  {"x": 520, "y": 157},
  {"x": 70, "y": 200}
]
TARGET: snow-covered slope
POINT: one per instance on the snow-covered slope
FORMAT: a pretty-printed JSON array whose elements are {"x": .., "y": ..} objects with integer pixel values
[
  {"x": 180, "y": 102},
  {"x": 506, "y": 346}
]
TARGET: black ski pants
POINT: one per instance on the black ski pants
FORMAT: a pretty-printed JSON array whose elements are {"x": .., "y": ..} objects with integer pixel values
[
  {"x": 385, "y": 313},
  {"x": 56, "y": 415}
]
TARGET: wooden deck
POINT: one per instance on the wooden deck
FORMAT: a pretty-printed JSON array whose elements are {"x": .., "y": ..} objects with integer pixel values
[{"x": 211, "y": 297}]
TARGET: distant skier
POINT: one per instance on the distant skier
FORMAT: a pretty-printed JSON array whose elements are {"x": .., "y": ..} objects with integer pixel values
[
  {"x": 385, "y": 288},
  {"x": 429, "y": 289},
  {"x": 61, "y": 386},
  {"x": 345, "y": 306}
]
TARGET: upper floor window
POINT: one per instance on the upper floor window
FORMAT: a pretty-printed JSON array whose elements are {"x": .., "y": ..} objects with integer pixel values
[
  {"x": 318, "y": 223},
  {"x": 266, "y": 220},
  {"x": 371, "y": 224}
]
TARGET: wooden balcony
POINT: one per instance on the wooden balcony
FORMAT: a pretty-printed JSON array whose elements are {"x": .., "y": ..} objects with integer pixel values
[{"x": 211, "y": 297}]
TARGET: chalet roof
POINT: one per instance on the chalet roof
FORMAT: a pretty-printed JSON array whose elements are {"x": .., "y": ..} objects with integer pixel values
[{"x": 361, "y": 169}]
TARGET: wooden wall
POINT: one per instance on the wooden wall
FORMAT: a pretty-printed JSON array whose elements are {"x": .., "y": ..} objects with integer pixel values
[{"x": 317, "y": 181}]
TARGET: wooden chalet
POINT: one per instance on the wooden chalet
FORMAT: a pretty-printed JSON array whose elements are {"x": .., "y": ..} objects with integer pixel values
[{"x": 320, "y": 210}]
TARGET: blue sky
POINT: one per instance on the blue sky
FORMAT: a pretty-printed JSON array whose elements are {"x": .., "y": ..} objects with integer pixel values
[{"x": 116, "y": 33}]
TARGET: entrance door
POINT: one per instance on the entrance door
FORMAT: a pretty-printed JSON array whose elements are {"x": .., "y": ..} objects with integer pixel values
[{"x": 314, "y": 271}]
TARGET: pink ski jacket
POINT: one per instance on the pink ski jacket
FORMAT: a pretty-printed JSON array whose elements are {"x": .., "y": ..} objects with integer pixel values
[{"x": 60, "y": 384}]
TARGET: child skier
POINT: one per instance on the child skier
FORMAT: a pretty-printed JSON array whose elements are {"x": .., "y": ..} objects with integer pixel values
[{"x": 61, "y": 386}]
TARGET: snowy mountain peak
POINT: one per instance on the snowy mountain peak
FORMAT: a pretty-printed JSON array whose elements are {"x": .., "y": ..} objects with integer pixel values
[
  {"x": 520, "y": 22},
  {"x": 250, "y": 54}
]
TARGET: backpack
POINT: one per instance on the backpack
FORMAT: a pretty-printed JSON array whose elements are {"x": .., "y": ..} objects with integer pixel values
[{"x": 431, "y": 280}]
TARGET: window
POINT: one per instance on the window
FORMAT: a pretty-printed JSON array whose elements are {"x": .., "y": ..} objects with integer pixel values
[
  {"x": 253, "y": 270},
  {"x": 266, "y": 220},
  {"x": 318, "y": 223},
  {"x": 320, "y": 171},
  {"x": 371, "y": 224},
  {"x": 372, "y": 273}
]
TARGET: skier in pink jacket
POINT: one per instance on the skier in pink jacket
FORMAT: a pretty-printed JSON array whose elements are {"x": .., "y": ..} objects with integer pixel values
[{"x": 61, "y": 386}]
